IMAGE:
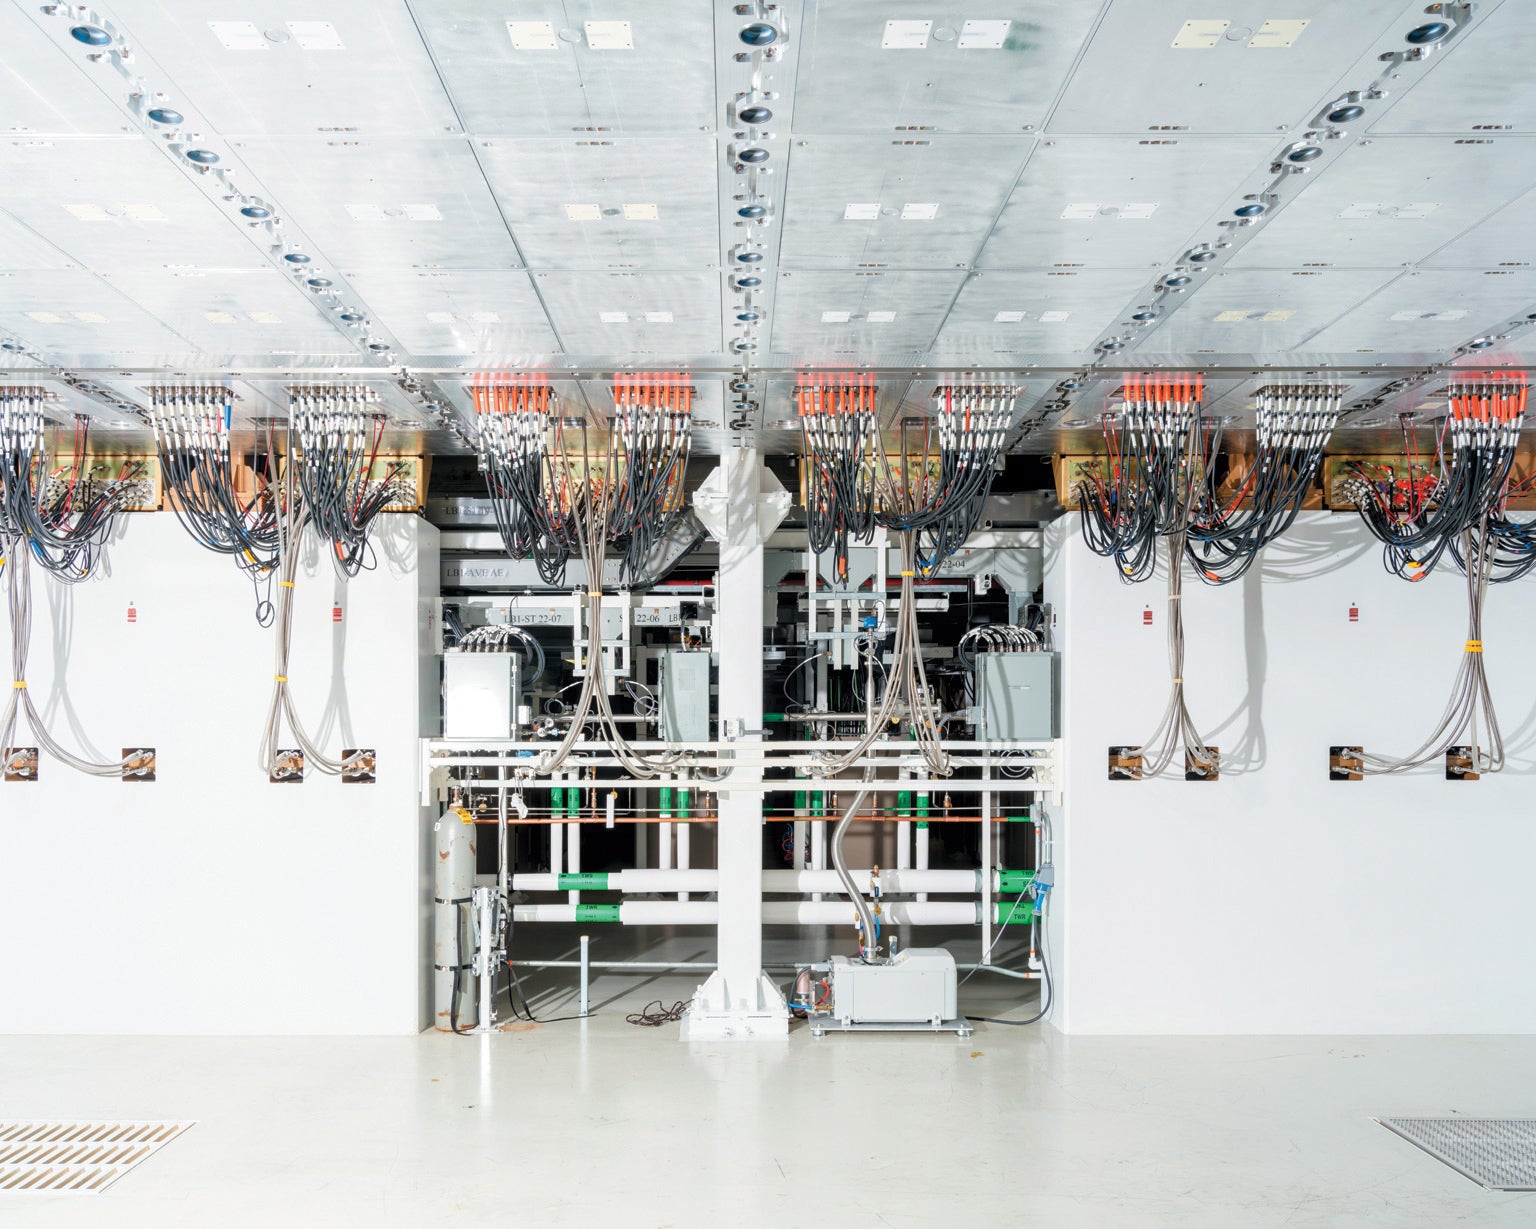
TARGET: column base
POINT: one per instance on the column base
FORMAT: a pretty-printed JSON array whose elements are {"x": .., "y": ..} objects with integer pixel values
[{"x": 719, "y": 1012}]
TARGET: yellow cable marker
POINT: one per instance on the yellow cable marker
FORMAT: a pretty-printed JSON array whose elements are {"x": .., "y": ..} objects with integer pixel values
[
  {"x": 286, "y": 584},
  {"x": 19, "y": 685},
  {"x": 279, "y": 678},
  {"x": 909, "y": 573},
  {"x": 1474, "y": 646}
]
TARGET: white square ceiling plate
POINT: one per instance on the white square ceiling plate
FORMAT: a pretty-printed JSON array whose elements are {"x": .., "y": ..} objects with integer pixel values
[
  {"x": 983, "y": 35},
  {"x": 906, "y": 35}
]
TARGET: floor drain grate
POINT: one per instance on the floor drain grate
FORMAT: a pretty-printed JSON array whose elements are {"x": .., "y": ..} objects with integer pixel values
[
  {"x": 85, "y": 1155},
  {"x": 1498, "y": 1153}
]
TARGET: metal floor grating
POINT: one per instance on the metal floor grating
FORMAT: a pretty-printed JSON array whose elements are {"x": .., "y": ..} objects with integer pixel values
[
  {"x": 85, "y": 1155},
  {"x": 1497, "y": 1153}
]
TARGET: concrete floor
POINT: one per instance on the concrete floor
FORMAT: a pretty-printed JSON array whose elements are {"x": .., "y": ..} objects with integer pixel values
[{"x": 600, "y": 1123}]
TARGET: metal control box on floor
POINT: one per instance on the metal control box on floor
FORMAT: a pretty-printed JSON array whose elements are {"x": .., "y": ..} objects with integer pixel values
[
  {"x": 917, "y": 987},
  {"x": 1016, "y": 693},
  {"x": 685, "y": 696}
]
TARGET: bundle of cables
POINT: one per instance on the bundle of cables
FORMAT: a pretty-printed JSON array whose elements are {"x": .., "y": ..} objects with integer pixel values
[
  {"x": 579, "y": 491},
  {"x": 192, "y": 436},
  {"x": 928, "y": 489},
  {"x": 1145, "y": 486},
  {"x": 837, "y": 424},
  {"x": 1460, "y": 508},
  {"x": 940, "y": 482},
  {"x": 338, "y": 431},
  {"x": 1449, "y": 492},
  {"x": 995, "y": 638},
  {"x": 18, "y": 584},
  {"x": 506, "y": 413},
  {"x": 1294, "y": 426},
  {"x": 1154, "y": 459},
  {"x": 63, "y": 513}
]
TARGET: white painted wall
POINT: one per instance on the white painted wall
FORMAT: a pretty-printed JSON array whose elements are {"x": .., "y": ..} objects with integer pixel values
[
  {"x": 211, "y": 901},
  {"x": 1274, "y": 900}
]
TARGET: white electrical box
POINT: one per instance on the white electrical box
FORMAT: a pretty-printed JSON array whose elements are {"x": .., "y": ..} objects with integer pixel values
[
  {"x": 685, "y": 696},
  {"x": 916, "y": 987},
  {"x": 1016, "y": 695},
  {"x": 480, "y": 694}
]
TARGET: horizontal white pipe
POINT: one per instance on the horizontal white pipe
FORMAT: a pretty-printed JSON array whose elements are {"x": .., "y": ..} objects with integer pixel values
[
  {"x": 775, "y": 913},
  {"x": 706, "y": 880}
]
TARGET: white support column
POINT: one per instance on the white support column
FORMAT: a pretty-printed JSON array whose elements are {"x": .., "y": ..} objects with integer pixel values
[{"x": 741, "y": 504}]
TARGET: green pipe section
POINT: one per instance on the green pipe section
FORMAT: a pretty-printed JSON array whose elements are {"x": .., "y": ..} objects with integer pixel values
[
  {"x": 904, "y": 803},
  {"x": 597, "y": 913},
  {"x": 556, "y": 800},
  {"x": 573, "y": 802},
  {"x": 1008, "y": 913},
  {"x": 664, "y": 806},
  {"x": 684, "y": 804},
  {"x": 578, "y": 881},
  {"x": 1014, "y": 881}
]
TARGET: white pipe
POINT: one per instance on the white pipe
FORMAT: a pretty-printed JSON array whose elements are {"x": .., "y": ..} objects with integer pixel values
[
  {"x": 774, "y": 881},
  {"x": 775, "y": 913}
]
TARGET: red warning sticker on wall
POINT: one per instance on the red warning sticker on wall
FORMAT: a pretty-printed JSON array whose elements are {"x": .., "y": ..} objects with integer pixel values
[
  {"x": 133, "y": 613},
  {"x": 335, "y": 614},
  {"x": 1146, "y": 617},
  {"x": 1354, "y": 614}
]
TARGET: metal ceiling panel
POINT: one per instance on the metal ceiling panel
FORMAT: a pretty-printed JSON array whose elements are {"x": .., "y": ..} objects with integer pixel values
[
  {"x": 74, "y": 317},
  {"x": 20, "y": 248},
  {"x": 1136, "y": 77},
  {"x": 951, "y": 80},
  {"x": 809, "y": 310},
  {"x": 116, "y": 203},
  {"x": 578, "y": 302},
  {"x": 665, "y": 83},
  {"x": 284, "y": 68},
  {"x": 442, "y": 313},
  {"x": 1507, "y": 239},
  {"x": 1392, "y": 201},
  {"x": 1044, "y": 312},
  {"x": 1431, "y": 312},
  {"x": 386, "y": 204},
  {"x": 536, "y": 180},
  {"x": 1104, "y": 202},
  {"x": 41, "y": 89},
  {"x": 934, "y": 201},
  {"x": 1473, "y": 89},
  {"x": 236, "y": 311},
  {"x": 1254, "y": 312}
]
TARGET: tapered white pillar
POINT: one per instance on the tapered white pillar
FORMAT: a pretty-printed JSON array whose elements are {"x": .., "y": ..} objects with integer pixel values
[{"x": 741, "y": 503}]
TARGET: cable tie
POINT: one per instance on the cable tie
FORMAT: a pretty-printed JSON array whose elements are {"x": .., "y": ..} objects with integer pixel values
[
  {"x": 279, "y": 678},
  {"x": 19, "y": 685},
  {"x": 1178, "y": 681},
  {"x": 1473, "y": 646},
  {"x": 286, "y": 584}
]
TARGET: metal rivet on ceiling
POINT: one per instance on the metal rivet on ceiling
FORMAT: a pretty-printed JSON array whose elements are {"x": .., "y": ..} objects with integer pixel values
[
  {"x": 1249, "y": 211},
  {"x": 1143, "y": 317},
  {"x": 1200, "y": 258},
  {"x": 747, "y": 316},
  {"x": 319, "y": 283},
  {"x": 351, "y": 317},
  {"x": 1305, "y": 154},
  {"x": 12, "y": 346},
  {"x": 754, "y": 154},
  {"x": 749, "y": 258},
  {"x": 1429, "y": 32},
  {"x": 754, "y": 115},
  {"x": 749, "y": 282},
  {"x": 1482, "y": 343},
  {"x": 759, "y": 34},
  {"x": 1344, "y": 115},
  {"x": 1178, "y": 280},
  {"x": 164, "y": 115},
  {"x": 256, "y": 211},
  {"x": 378, "y": 346},
  {"x": 203, "y": 157},
  {"x": 91, "y": 36},
  {"x": 296, "y": 258},
  {"x": 1112, "y": 345},
  {"x": 751, "y": 211}
]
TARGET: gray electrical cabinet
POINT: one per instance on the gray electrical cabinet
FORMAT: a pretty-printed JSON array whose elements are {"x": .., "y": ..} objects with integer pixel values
[
  {"x": 685, "y": 696},
  {"x": 1016, "y": 696},
  {"x": 480, "y": 693}
]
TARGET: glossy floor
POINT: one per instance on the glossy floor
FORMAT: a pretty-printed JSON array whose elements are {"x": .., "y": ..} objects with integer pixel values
[{"x": 603, "y": 1123}]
